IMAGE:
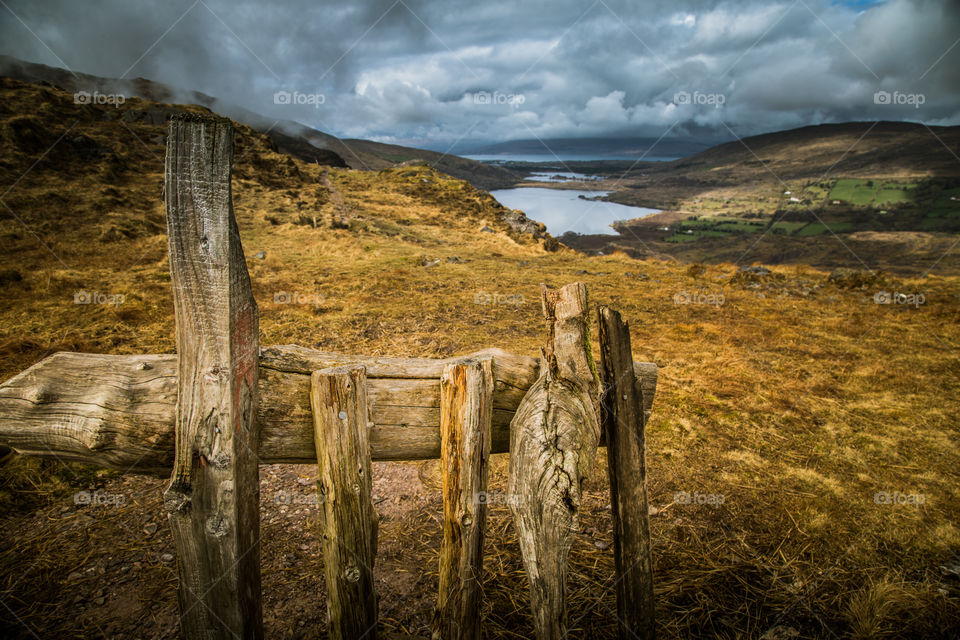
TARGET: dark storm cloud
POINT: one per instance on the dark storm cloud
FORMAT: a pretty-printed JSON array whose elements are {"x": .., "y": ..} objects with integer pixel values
[{"x": 434, "y": 72}]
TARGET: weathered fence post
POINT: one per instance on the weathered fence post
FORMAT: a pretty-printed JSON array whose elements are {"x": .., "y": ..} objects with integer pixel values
[
  {"x": 213, "y": 496},
  {"x": 341, "y": 424},
  {"x": 623, "y": 420},
  {"x": 553, "y": 441},
  {"x": 466, "y": 410}
]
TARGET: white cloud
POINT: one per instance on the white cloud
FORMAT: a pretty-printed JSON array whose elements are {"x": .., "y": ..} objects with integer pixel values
[{"x": 408, "y": 71}]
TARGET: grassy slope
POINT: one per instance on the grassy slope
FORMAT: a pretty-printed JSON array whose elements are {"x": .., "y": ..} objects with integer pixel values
[
  {"x": 294, "y": 138},
  {"x": 903, "y": 221},
  {"x": 797, "y": 400}
]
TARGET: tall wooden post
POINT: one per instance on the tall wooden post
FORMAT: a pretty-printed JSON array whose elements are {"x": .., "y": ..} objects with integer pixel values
[
  {"x": 466, "y": 411},
  {"x": 213, "y": 496},
  {"x": 553, "y": 440},
  {"x": 341, "y": 425},
  {"x": 623, "y": 419}
]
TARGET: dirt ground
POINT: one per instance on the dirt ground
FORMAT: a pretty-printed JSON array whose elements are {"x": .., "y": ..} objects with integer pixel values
[{"x": 108, "y": 569}]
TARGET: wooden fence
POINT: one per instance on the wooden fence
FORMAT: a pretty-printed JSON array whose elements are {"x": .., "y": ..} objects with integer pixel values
[{"x": 210, "y": 415}]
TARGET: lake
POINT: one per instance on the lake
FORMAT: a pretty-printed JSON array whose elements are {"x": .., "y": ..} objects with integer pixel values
[
  {"x": 563, "y": 210},
  {"x": 560, "y": 176},
  {"x": 550, "y": 158}
]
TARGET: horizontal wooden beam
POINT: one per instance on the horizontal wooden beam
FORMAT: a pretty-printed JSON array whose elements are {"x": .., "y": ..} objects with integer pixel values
[{"x": 119, "y": 410}]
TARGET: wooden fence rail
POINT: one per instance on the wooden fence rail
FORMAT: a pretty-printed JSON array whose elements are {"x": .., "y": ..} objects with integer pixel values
[
  {"x": 118, "y": 411},
  {"x": 210, "y": 415}
]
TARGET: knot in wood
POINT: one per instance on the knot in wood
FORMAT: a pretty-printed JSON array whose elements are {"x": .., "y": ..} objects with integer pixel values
[
  {"x": 352, "y": 574},
  {"x": 220, "y": 461},
  {"x": 217, "y": 526},
  {"x": 176, "y": 502}
]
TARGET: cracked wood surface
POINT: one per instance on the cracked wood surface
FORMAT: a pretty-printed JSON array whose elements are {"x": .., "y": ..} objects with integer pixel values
[
  {"x": 214, "y": 495},
  {"x": 466, "y": 393},
  {"x": 345, "y": 484},
  {"x": 119, "y": 410},
  {"x": 623, "y": 423},
  {"x": 554, "y": 438}
]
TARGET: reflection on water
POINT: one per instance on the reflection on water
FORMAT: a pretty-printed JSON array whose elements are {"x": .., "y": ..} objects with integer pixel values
[
  {"x": 560, "y": 176},
  {"x": 563, "y": 210}
]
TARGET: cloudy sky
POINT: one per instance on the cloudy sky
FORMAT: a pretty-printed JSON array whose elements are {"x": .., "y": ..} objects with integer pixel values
[{"x": 437, "y": 72}]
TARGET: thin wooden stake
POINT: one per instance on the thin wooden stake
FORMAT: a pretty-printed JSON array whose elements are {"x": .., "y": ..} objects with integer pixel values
[
  {"x": 466, "y": 409},
  {"x": 341, "y": 417},
  {"x": 623, "y": 420},
  {"x": 213, "y": 496}
]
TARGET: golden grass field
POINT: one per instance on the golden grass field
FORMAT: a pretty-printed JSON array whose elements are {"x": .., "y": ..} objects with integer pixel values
[{"x": 797, "y": 402}]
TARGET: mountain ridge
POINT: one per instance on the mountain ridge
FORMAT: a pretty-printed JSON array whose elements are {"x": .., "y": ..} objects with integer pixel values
[{"x": 302, "y": 141}]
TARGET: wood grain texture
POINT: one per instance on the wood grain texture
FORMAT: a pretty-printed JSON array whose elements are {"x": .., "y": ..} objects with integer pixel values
[
  {"x": 345, "y": 485},
  {"x": 213, "y": 497},
  {"x": 118, "y": 411},
  {"x": 554, "y": 438},
  {"x": 623, "y": 421},
  {"x": 466, "y": 396}
]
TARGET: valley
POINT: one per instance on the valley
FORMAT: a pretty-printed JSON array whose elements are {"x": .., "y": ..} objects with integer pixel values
[{"x": 800, "y": 393}]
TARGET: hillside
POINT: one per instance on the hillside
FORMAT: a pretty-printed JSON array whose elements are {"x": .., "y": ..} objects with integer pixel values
[
  {"x": 294, "y": 138},
  {"x": 882, "y": 195},
  {"x": 794, "y": 395},
  {"x": 855, "y": 149}
]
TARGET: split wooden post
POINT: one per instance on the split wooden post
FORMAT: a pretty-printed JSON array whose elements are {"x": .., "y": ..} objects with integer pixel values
[
  {"x": 553, "y": 441},
  {"x": 213, "y": 496},
  {"x": 341, "y": 420},
  {"x": 624, "y": 420},
  {"x": 466, "y": 411}
]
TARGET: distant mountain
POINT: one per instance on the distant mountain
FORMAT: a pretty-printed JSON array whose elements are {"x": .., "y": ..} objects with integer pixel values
[
  {"x": 629, "y": 148},
  {"x": 848, "y": 148},
  {"x": 291, "y": 137}
]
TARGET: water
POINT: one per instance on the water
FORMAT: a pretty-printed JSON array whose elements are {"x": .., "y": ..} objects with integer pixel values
[
  {"x": 560, "y": 176},
  {"x": 549, "y": 158},
  {"x": 563, "y": 210}
]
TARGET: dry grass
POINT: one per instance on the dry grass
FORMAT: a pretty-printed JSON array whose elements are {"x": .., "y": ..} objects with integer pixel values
[{"x": 796, "y": 400}]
